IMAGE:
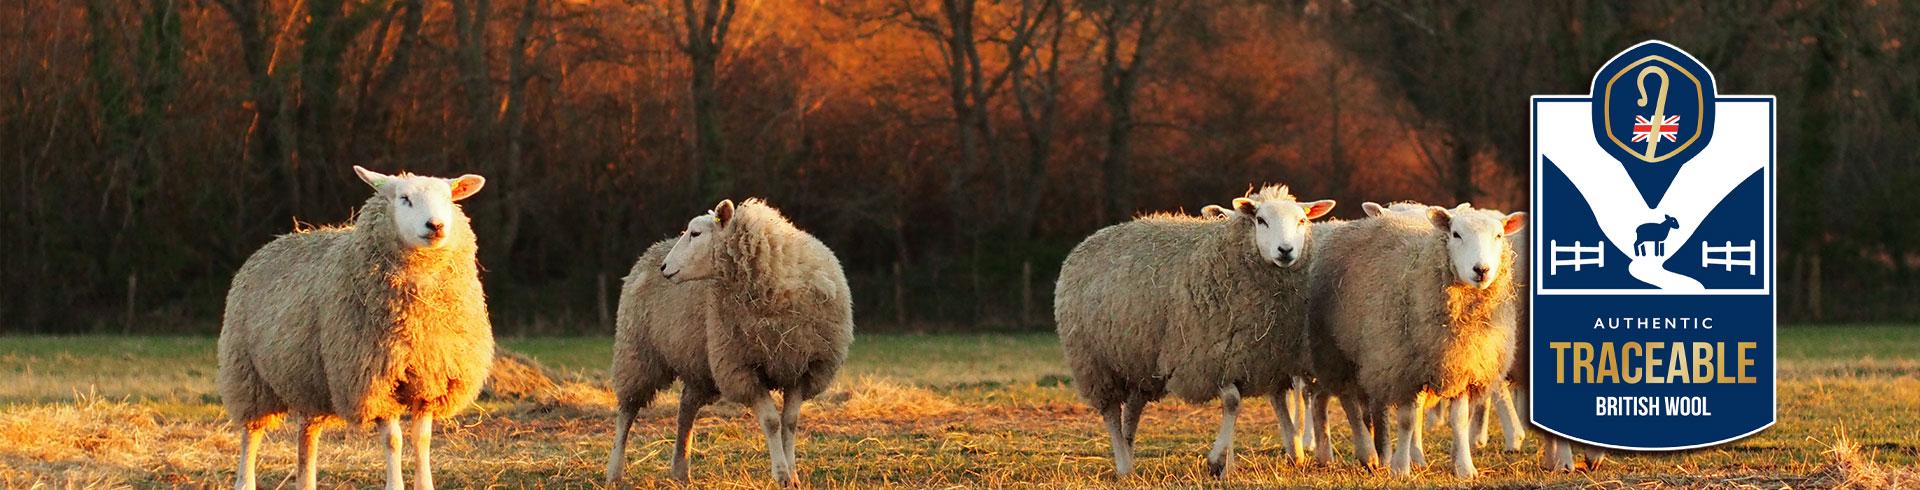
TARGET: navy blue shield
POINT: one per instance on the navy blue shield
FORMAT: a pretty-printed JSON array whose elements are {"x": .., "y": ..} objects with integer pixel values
[{"x": 1652, "y": 278}]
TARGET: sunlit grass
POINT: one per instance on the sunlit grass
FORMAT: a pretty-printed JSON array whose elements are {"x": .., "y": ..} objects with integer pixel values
[{"x": 912, "y": 411}]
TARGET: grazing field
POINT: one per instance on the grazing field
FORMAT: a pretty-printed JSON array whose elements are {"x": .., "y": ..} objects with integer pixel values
[{"x": 910, "y": 411}]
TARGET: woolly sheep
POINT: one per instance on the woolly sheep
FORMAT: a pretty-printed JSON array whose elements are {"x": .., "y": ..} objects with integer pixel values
[
  {"x": 1296, "y": 399},
  {"x": 1196, "y": 307},
  {"x": 1512, "y": 427},
  {"x": 1557, "y": 453},
  {"x": 1419, "y": 308},
  {"x": 740, "y": 305},
  {"x": 1333, "y": 370},
  {"x": 360, "y": 323}
]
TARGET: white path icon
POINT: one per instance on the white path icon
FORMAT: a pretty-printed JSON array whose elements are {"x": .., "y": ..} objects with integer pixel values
[{"x": 1566, "y": 140}]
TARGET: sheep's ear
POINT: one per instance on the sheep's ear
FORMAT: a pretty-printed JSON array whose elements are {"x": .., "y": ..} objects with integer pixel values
[
  {"x": 1245, "y": 206},
  {"x": 1319, "y": 208},
  {"x": 1515, "y": 222},
  {"x": 723, "y": 212},
  {"x": 1373, "y": 208},
  {"x": 1213, "y": 211},
  {"x": 376, "y": 179},
  {"x": 466, "y": 185},
  {"x": 1462, "y": 206},
  {"x": 1440, "y": 217}
]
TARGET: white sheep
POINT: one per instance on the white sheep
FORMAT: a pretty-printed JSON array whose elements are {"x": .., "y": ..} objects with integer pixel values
[
  {"x": 777, "y": 316},
  {"x": 1201, "y": 308},
  {"x": 365, "y": 322},
  {"x": 1418, "y": 307}
]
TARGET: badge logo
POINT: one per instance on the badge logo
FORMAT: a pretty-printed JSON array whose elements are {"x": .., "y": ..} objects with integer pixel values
[{"x": 1653, "y": 237}]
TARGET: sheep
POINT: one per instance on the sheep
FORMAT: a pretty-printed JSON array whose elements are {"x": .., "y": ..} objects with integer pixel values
[
  {"x": 1296, "y": 399},
  {"x": 1333, "y": 370},
  {"x": 741, "y": 304},
  {"x": 1421, "y": 309},
  {"x": 1498, "y": 396},
  {"x": 361, "y": 322},
  {"x": 1655, "y": 233},
  {"x": 1194, "y": 307}
]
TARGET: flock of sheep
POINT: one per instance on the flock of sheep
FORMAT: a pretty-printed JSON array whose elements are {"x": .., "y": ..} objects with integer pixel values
[{"x": 385, "y": 318}]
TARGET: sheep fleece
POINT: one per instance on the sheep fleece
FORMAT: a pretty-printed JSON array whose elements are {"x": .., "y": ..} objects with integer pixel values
[
  {"x": 1178, "y": 304},
  {"x": 344, "y": 322},
  {"x": 776, "y": 316},
  {"x": 660, "y": 333},
  {"x": 1390, "y": 303}
]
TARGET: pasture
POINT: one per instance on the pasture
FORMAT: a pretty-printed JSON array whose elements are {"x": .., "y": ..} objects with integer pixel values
[{"x": 909, "y": 411}]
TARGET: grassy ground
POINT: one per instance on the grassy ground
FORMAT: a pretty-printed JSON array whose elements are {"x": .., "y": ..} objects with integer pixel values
[{"x": 909, "y": 411}]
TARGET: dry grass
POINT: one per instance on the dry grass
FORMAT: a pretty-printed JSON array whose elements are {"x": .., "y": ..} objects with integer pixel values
[{"x": 913, "y": 412}]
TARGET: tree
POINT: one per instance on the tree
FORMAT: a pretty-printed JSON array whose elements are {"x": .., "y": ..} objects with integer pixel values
[{"x": 1129, "y": 31}]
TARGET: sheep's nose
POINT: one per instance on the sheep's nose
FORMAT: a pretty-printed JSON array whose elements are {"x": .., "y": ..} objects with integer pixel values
[
  {"x": 663, "y": 267},
  {"x": 436, "y": 226},
  {"x": 1286, "y": 253},
  {"x": 1480, "y": 272}
]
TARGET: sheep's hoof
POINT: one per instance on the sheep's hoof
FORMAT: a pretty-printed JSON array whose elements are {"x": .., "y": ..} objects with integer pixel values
[
  {"x": 1400, "y": 468},
  {"x": 1219, "y": 468},
  {"x": 1465, "y": 471}
]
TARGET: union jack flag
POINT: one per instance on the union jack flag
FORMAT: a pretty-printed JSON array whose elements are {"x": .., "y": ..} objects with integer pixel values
[{"x": 1669, "y": 129}]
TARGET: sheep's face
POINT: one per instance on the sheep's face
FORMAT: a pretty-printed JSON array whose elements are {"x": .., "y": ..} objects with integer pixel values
[
  {"x": 1281, "y": 228},
  {"x": 692, "y": 256},
  {"x": 422, "y": 208},
  {"x": 1476, "y": 241}
]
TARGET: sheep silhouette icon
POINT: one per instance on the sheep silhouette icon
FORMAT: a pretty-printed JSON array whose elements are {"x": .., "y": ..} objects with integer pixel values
[{"x": 1656, "y": 234}]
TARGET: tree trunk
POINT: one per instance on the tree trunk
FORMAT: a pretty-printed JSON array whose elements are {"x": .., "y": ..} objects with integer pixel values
[{"x": 706, "y": 30}]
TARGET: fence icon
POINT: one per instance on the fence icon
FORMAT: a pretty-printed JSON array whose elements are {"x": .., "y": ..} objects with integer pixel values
[
  {"x": 1599, "y": 258},
  {"x": 1727, "y": 254}
]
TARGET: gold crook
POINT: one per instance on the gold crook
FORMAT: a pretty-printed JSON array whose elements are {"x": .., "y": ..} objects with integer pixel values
[{"x": 1659, "y": 106}]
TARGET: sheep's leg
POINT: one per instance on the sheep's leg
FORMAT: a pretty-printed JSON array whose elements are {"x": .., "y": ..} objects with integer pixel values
[
  {"x": 1363, "y": 448},
  {"x": 1478, "y": 416},
  {"x": 1221, "y": 458},
  {"x": 1512, "y": 428},
  {"x": 789, "y": 425},
  {"x": 1300, "y": 398},
  {"x": 1317, "y": 421},
  {"x": 1595, "y": 456},
  {"x": 769, "y": 417},
  {"x": 1283, "y": 410},
  {"x": 1562, "y": 455},
  {"x": 309, "y": 454},
  {"x": 422, "y": 446},
  {"x": 249, "y": 454},
  {"x": 1410, "y": 416},
  {"x": 393, "y": 453},
  {"x": 1462, "y": 408},
  {"x": 1436, "y": 415},
  {"x": 1419, "y": 445},
  {"x": 617, "y": 458},
  {"x": 690, "y": 403},
  {"x": 1377, "y": 426},
  {"x": 1558, "y": 454},
  {"x": 1136, "y": 406},
  {"x": 1117, "y": 432}
]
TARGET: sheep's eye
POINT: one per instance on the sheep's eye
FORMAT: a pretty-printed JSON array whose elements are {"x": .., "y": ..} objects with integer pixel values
[
  {"x": 405, "y": 201},
  {"x": 1262, "y": 221},
  {"x": 1303, "y": 221},
  {"x": 1456, "y": 235},
  {"x": 694, "y": 235}
]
